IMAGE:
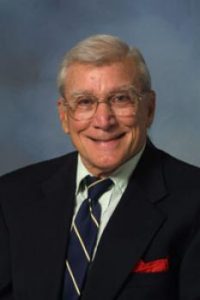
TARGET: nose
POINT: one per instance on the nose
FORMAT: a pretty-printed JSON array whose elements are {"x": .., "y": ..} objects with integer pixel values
[{"x": 104, "y": 118}]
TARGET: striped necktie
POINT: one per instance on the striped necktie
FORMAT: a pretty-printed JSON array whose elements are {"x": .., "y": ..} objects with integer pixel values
[{"x": 83, "y": 238}]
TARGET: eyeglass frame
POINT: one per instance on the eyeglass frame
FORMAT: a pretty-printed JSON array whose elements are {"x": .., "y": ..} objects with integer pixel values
[{"x": 107, "y": 100}]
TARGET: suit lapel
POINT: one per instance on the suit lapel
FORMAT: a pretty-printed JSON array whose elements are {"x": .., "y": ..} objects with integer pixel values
[
  {"x": 129, "y": 231},
  {"x": 56, "y": 209}
]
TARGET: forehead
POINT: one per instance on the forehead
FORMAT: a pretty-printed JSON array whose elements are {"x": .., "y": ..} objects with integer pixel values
[{"x": 99, "y": 78}]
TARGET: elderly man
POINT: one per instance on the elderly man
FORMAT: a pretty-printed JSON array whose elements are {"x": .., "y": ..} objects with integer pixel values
[{"x": 118, "y": 218}]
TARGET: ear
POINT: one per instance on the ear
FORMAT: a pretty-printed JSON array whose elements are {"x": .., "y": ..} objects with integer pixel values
[
  {"x": 151, "y": 106},
  {"x": 62, "y": 111}
]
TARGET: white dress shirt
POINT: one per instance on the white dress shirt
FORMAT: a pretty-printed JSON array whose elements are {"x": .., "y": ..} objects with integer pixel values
[{"x": 110, "y": 199}]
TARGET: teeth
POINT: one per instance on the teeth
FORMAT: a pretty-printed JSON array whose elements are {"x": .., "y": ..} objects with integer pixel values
[
  {"x": 111, "y": 139},
  {"x": 107, "y": 140}
]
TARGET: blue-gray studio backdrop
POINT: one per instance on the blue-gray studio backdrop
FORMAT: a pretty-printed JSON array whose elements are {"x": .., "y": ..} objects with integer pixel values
[{"x": 34, "y": 35}]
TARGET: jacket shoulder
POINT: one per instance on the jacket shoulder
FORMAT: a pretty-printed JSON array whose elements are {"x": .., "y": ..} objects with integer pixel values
[
  {"x": 39, "y": 171},
  {"x": 177, "y": 171}
]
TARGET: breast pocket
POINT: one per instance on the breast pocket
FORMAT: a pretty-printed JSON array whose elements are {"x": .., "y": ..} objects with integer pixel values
[
  {"x": 149, "y": 286},
  {"x": 148, "y": 279}
]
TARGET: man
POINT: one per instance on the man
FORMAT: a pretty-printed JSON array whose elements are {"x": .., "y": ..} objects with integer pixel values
[{"x": 141, "y": 240}]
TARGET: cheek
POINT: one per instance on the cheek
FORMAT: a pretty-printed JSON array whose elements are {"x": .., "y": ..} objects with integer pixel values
[
  {"x": 75, "y": 130},
  {"x": 130, "y": 124},
  {"x": 136, "y": 130},
  {"x": 141, "y": 121}
]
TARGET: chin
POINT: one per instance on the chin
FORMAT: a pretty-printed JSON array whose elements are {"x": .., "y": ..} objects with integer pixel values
[{"x": 106, "y": 167}]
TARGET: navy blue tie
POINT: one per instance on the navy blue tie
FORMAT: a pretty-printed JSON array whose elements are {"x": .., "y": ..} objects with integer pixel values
[{"x": 83, "y": 238}]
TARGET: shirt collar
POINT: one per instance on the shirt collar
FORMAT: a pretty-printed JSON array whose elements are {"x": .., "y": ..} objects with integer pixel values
[{"x": 120, "y": 177}]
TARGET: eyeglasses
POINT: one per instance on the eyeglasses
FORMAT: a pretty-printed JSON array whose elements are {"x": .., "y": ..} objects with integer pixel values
[{"x": 123, "y": 103}]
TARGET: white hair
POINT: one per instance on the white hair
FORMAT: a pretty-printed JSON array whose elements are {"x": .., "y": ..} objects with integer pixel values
[{"x": 101, "y": 50}]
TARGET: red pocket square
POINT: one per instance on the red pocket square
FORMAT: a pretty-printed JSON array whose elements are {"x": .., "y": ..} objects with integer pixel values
[{"x": 154, "y": 266}]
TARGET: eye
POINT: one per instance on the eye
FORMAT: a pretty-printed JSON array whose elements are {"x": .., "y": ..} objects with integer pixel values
[
  {"x": 122, "y": 98},
  {"x": 85, "y": 102}
]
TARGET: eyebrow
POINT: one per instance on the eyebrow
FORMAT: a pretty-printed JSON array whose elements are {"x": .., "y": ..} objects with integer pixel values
[{"x": 117, "y": 89}]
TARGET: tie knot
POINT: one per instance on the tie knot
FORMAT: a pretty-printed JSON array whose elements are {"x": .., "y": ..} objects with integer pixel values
[{"x": 97, "y": 186}]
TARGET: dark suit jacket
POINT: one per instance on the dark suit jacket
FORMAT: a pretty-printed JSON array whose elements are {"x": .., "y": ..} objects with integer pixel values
[{"x": 155, "y": 219}]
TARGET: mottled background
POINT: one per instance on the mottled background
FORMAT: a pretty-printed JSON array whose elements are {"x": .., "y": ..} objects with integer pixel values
[{"x": 34, "y": 34}]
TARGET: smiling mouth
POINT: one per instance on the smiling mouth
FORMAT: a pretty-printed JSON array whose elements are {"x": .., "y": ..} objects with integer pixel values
[{"x": 107, "y": 140}]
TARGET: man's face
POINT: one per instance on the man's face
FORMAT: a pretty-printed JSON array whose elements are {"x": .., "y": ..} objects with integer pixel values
[{"x": 106, "y": 141}]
